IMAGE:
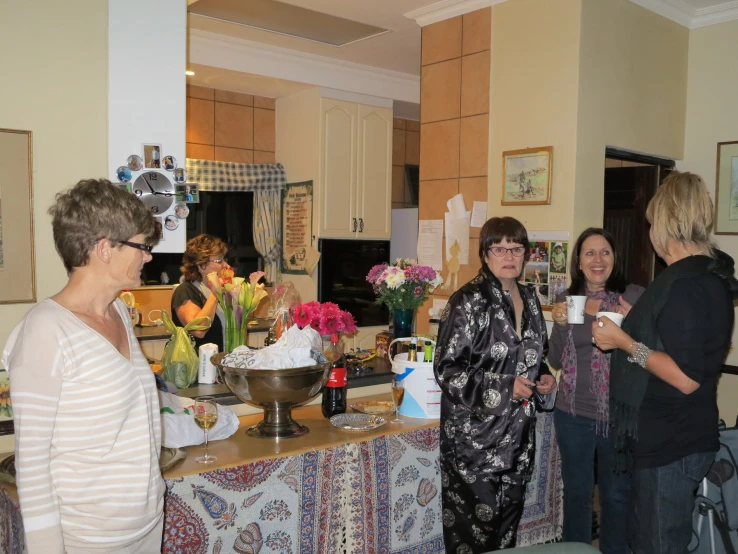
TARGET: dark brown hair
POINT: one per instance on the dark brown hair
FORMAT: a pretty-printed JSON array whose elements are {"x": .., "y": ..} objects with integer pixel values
[
  {"x": 615, "y": 283},
  {"x": 95, "y": 209},
  {"x": 198, "y": 252},
  {"x": 496, "y": 229}
]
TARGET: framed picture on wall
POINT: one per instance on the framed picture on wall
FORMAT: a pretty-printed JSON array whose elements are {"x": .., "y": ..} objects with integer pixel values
[
  {"x": 726, "y": 189},
  {"x": 17, "y": 258},
  {"x": 526, "y": 176}
]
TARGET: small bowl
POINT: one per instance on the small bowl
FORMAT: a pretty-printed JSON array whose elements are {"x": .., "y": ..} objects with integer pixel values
[
  {"x": 374, "y": 407},
  {"x": 357, "y": 422}
]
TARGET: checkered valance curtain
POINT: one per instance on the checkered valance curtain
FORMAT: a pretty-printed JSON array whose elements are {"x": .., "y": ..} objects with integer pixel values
[{"x": 229, "y": 176}]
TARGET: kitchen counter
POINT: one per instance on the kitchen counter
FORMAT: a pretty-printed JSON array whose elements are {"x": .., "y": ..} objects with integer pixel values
[
  {"x": 380, "y": 373},
  {"x": 240, "y": 449},
  {"x": 159, "y": 332}
]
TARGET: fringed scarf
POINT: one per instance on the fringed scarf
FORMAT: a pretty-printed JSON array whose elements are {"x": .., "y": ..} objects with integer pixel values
[{"x": 600, "y": 380}]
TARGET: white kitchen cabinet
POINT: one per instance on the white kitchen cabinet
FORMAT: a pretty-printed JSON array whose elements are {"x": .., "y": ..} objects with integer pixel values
[{"x": 356, "y": 170}]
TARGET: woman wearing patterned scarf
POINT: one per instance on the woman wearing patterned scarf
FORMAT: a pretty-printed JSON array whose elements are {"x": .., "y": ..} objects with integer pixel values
[{"x": 581, "y": 415}]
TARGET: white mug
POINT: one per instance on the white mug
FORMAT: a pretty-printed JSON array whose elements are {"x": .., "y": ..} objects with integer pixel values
[
  {"x": 575, "y": 309},
  {"x": 615, "y": 317}
]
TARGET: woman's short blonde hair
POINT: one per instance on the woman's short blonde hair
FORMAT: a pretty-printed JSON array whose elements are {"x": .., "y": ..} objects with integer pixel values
[
  {"x": 681, "y": 210},
  {"x": 198, "y": 252}
]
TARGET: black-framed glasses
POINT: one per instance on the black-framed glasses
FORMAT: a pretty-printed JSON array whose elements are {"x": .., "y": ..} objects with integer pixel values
[
  {"x": 144, "y": 247},
  {"x": 501, "y": 251}
]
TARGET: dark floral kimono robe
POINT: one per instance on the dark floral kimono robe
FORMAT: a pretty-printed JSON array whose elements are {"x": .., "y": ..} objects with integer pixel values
[{"x": 487, "y": 438}]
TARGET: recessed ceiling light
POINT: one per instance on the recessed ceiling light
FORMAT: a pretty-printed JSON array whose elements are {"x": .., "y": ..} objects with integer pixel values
[{"x": 189, "y": 72}]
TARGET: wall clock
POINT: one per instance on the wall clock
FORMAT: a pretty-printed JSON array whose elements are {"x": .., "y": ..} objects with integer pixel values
[{"x": 155, "y": 190}]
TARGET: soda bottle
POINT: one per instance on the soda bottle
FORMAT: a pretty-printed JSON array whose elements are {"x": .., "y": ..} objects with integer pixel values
[{"x": 334, "y": 393}]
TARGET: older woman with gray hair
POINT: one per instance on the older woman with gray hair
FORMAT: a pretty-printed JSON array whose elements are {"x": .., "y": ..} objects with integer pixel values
[
  {"x": 665, "y": 367},
  {"x": 85, "y": 405}
]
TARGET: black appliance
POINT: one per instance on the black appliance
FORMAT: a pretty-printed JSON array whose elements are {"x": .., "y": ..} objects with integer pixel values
[{"x": 344, "y": 265}]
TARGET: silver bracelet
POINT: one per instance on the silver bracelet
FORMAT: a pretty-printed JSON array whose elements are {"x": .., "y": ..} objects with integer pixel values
[{"x": 640, "y": 355}]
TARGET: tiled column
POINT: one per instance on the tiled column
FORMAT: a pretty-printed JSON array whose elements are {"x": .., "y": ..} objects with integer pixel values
[{"x": 454, "y": 130}]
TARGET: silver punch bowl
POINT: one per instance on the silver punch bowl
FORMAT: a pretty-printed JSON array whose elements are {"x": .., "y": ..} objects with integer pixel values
[{"x": 276, "y": 391}]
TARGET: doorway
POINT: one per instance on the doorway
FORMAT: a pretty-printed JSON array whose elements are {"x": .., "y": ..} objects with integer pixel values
[{"x": 631, "y": 181}]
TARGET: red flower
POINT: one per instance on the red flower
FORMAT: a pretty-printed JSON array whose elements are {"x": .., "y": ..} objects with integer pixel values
[{"x": 302, "y": 315}]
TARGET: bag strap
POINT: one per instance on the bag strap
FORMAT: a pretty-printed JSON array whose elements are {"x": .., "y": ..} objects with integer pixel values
[{"x": 198, "y": 324}]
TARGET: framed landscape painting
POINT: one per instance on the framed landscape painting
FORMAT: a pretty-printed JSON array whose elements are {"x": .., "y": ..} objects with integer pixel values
[
  {"x": 526, "y": 176},
  {"x": 726, "y": 189}
]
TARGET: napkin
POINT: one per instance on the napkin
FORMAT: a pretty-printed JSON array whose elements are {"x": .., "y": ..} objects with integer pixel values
[{"x": 295, "y": 348}]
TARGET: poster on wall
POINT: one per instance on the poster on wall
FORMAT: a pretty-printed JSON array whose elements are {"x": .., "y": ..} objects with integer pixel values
[
  {"x": 297, "y": 227},
  {"x": 548, "y": 266}
]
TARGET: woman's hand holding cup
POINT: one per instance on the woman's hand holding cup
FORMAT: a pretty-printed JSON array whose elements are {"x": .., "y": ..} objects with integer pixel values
[
  {"x": 559, "y": 314},
  {"x": 606, "y": 334}
]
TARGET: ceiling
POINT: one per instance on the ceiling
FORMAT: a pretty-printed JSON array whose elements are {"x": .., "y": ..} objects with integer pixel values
[{"x": 397, "y": 50}]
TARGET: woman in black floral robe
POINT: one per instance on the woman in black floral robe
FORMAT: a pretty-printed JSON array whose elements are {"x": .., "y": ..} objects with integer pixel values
[{"x": 491, "y": 344}]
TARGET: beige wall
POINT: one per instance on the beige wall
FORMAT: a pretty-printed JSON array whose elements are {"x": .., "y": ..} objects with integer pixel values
[
  {"x": 711, "y": 118},
  {"x": 533, "y": 100},
  {"x": 230, "y": 126},
  {"x": 632, "y": 94},
  {"x": 55, "y": 85}
]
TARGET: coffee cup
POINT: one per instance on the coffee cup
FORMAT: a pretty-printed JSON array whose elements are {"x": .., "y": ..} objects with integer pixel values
[
  {"x": 575, "y": 309},
  {"x": 615, "y": 317}
]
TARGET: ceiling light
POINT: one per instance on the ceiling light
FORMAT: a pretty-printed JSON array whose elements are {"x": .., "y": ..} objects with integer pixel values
[{"x": 189, "y": 72}]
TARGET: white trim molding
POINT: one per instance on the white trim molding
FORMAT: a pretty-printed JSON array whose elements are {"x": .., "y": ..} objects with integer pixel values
[
  {"x": 446, "y": 9},
  {"x": 283, "y": 63},
  {"x": 688, "y": 16}
]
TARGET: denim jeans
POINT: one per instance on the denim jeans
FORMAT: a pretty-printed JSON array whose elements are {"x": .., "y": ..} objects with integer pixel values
[
  {"x": 661, "y": 505},
  {"x": 578, "y": 443}
]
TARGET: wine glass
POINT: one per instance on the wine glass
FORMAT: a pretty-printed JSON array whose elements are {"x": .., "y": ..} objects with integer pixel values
[
  {"x": 398, "y": 393},
  {"x": 206, "y": 416}
]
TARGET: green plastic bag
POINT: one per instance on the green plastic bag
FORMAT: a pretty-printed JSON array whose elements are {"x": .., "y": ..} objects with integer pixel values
[{"x": 180, "y": 361}]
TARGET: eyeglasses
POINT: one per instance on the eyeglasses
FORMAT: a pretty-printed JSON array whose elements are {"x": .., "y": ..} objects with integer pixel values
[
  {"x": 219, "y": 261},
  {"x": 501, "y": 251},
  {"x": 143, "y": 247}
]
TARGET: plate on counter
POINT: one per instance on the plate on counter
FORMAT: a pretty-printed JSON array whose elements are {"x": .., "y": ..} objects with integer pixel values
[
  {"x": 170, "y": 457},
  {"x": 374, "y": 407},
  {"x": 357, "y": 422}
]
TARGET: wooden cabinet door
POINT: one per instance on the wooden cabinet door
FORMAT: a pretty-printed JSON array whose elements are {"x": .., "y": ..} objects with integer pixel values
[
  {"x": 338, "y": 168},
  {"x": 374, "y": 180}
]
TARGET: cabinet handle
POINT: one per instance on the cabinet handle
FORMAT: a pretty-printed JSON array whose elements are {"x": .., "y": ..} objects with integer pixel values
[
  {"x": 354, "y": 229},
  {"x": 361, "y": 225}
]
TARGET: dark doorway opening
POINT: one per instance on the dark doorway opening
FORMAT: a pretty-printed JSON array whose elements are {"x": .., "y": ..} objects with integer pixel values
[{"x": 631, "y": 181}]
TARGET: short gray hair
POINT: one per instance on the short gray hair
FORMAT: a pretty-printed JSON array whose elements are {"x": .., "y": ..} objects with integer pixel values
[{"x": 95, "y": 209}]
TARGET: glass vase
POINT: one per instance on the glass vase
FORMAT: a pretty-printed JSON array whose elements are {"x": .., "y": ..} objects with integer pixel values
[
  {"x": 233, "y": 335},
  {"x": 402, "y": 323}
]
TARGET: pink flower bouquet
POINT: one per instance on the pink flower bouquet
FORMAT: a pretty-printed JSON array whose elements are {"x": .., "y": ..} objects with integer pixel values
[
  {"x": 326, "y": 318},
  {"x": 405, "y": 285}
]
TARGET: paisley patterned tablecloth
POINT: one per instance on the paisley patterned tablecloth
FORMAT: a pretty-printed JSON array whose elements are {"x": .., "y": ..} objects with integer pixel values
[{"x": 378, "y": 496}]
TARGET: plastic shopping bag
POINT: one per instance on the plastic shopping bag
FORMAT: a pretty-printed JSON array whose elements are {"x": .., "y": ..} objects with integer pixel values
[
  {"x": 178, "y": 427},
  {"x": 179, "y": 360}
]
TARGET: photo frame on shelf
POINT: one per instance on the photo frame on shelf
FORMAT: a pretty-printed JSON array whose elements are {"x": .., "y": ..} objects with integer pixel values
[
  {"x": 526, "y": 176},
  {"x": 17, "y": 246},
  {"x": 726, "y": 189}
]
